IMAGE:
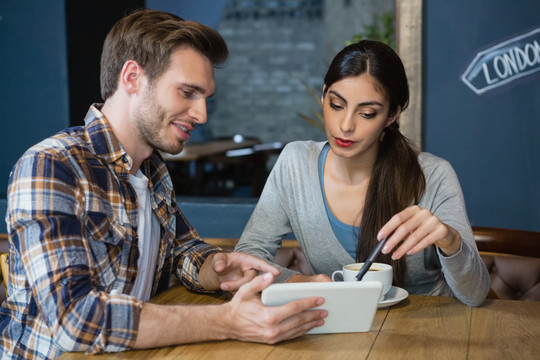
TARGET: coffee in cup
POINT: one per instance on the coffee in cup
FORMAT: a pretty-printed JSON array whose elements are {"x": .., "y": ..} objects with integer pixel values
[{"x": 377, "y": 272}]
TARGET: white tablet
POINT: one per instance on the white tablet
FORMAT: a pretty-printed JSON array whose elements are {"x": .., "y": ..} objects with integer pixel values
[{"x": 351, "y": 305}]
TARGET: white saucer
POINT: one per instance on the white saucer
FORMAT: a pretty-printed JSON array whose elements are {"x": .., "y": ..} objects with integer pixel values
[{"x": 393, "y": 296}]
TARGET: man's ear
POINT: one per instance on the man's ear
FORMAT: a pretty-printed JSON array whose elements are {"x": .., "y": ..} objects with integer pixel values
[
  {"x": 131, "y": 76},
  {"x": 393, "y": 117}
]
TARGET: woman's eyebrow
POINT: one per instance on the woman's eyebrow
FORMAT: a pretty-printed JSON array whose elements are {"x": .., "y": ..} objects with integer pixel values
[
  {"x": 336, "y": 94},
  {"x": 365, "y": 103},
  {"x": 370, "y": 103}
]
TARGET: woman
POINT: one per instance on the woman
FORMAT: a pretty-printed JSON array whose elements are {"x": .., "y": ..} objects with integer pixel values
[{"x": 366, "y": 183}]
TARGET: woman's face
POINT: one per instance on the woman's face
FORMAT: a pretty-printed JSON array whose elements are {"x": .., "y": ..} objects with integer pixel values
[{"x": 355, "y": 111}]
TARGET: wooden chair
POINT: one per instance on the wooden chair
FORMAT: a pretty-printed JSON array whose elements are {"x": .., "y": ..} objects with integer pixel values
[
  {"x": 4, "y": 268},
  {"x": 513, "y": 260}
]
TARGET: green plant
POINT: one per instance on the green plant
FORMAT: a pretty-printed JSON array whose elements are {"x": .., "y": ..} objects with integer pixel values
[{"x": 383, "y": 30}]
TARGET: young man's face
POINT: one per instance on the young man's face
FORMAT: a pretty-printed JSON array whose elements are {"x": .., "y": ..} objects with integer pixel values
[{"x": 171, "y": 107}]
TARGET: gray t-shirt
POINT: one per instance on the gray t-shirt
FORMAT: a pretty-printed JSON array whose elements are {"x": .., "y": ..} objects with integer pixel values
[{"x": 292, "y": 202}]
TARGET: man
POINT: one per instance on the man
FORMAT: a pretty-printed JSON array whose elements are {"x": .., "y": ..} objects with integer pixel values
[{"x": 94, "y": 227}]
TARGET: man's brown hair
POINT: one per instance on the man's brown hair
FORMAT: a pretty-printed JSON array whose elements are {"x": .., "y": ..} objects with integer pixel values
[{"x": 149, "y": 37}]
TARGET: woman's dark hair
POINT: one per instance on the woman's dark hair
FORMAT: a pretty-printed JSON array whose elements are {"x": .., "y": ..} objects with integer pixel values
[
  {"x": 397, "y": 180},
  {"x": 149, "y": 37}
]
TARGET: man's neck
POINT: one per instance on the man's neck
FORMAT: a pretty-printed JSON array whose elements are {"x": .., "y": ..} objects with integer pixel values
[{"x": 123, "y": 128}]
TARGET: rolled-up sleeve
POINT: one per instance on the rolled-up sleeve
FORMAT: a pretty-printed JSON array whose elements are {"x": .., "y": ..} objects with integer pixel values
[{"x": 190, "y": 253}]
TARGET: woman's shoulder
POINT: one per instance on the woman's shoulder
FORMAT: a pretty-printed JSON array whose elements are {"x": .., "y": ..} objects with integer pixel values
[
  {"x": 432, "y": 164},
  {"x": 429, "y": 160},
  {"x": 299, "y": 157},
  {"x": 304, "y": 145},
  {"x": 302, "y": 149}
]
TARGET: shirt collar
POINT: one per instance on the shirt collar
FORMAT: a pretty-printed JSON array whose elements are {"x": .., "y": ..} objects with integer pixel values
[{"x": 102, "y": 137}]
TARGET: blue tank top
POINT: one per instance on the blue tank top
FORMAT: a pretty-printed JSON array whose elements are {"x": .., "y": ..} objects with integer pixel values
[{"x": 346, "y": 234}]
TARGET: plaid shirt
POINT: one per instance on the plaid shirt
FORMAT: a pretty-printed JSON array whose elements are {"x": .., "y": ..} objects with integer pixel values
[{"x": 72, "y": 223}]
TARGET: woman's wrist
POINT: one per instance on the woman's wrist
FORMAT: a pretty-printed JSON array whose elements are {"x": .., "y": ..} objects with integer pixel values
[{"x": 453, "y": 241}]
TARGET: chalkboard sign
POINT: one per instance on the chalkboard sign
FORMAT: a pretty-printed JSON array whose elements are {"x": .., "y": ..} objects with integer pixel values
[
  {"x": 481, "y": 104},
  {"x": 510, "y": 60}
]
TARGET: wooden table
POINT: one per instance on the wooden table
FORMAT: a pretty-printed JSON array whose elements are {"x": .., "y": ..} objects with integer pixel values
[{"x": 420, "y": 327}]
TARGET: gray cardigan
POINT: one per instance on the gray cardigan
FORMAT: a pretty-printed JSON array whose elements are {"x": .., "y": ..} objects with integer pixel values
[{"x": 292, "y": 202}]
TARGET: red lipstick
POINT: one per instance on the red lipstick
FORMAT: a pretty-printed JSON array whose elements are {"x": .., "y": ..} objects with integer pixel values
[{"x": 343, "y": 142}]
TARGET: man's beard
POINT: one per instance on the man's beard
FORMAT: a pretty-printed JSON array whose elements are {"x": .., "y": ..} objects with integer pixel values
[{"x": 149, "y": 121}]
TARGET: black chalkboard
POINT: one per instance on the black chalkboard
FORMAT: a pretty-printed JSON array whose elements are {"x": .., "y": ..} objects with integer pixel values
[{"x": 481, "y": 104}]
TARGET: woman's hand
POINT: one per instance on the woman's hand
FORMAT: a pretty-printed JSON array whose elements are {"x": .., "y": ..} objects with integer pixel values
[{"x": 414, "y": 229}]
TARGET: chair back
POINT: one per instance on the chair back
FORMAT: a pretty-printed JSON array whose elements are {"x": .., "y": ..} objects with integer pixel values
[
  {"x": 513, "y": 260},
  {"x": 4, "y": 268}
]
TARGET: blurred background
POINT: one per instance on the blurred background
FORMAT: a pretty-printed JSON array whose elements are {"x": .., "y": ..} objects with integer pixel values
[{"x": 266, "y": 92}]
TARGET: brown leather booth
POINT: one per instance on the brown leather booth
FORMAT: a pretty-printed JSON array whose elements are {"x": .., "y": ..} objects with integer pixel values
[
  {"x": 513, "y": 261},
  {"x": 511, "y": 256}
]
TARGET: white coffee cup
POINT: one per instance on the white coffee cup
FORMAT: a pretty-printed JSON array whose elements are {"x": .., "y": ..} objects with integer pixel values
[{"x": 377, "y": 272}]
